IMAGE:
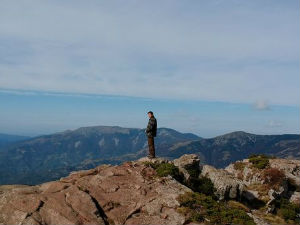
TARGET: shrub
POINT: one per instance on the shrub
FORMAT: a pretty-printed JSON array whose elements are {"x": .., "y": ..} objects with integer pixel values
[
  {"x": 259, "y": 161},
  {"x": 237, "y": 205},
  {"x": 193, "y": 200},
  {"x": 197, "y": 207},
  {"x": 165, "y": 169},
  {"x": 239, "y": 165},
  {"x": 193, "y": 172},
  {"x": 231, "y": 216},
  {"x": 201, "y": 185},
  {"x": 262, "y": 156},
  {"x": 151, "y": 164},
  {"x": 287, "y": 210},
  {"x": 273, "y": 176}
]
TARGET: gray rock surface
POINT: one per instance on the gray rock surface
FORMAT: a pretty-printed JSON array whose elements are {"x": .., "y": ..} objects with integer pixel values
[
  {"x": 226, "y": 185},
  {"x": 255, "y": 179},
  {"x": 295, "y": 198},
  {"x": 291, "y": 168},
  {"x": 186, "y": 163}
]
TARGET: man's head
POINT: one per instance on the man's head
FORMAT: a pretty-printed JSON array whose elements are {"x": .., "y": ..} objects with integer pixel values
[{"x": 150, "y": 114}]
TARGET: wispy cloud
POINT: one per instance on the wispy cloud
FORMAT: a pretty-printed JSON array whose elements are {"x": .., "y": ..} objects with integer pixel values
[
  {"x": 204, "y": 50},
  {"x": 262, "y": 105},
  {"x": 274, "y": 124}
]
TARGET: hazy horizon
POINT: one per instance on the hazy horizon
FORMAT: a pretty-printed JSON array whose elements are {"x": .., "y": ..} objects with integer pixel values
[{"x": 37, "y": 113}]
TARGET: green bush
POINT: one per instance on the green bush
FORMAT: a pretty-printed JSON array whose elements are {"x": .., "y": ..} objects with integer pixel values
[
  {"x": 151, "y": 164},
  {"x": 165, "y": 169},
  {"x": 259, "y": 161},
  {"x": 197, "y": 207},
  {"x": 193, "y": 172},
  {"x": 198, "y": 184},
  {"x": 288, "y": 210},
  {"x": 230, "y": 216},
  {"x": 201, "y": 185}
]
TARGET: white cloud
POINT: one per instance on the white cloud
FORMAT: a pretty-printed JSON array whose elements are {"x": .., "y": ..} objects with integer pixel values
[{"x": 206, "y": 50}]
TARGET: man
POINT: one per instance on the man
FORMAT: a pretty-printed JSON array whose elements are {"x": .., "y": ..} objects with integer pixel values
[{"x": 151, "y": 133}]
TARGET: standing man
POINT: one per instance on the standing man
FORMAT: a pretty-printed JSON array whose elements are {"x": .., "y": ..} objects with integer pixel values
[{"x": 151, "y": 133}]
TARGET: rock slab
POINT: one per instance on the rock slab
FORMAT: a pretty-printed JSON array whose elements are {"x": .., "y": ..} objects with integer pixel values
[{"x": 125, "y": 194}]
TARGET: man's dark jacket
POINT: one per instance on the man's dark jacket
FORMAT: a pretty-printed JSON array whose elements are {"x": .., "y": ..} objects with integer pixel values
[{"x": 152, "y": 127}]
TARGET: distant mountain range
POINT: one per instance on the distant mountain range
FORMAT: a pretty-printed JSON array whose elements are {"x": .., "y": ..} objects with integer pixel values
[
  {"x": 6, "y": 139},
  {"x": 50, "y": 157}
]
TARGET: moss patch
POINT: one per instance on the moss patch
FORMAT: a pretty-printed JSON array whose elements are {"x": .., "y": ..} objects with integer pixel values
[
  {"x": 259, "y": 161},
  {"x": 166, "y": 169},
  {"x": 198, "y": 207},
  {"x": 237, "y": 205},
  {"x": 201, "y": 185},
  {"x": 193, "y": 172},
  {"x": 288, "y": 211}
]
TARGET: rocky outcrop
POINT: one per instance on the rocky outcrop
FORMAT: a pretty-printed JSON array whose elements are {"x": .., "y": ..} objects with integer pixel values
[
  {"x": 134, "y": 193},
  {"x": 291, "y": 168},
  {"x": 251, "y": 175},
  {"x": 270, "y": 183},
  {"x": 188, "y": 165},
  {"x": 295, "y": 198},
  {"x": 153, "y": 160},
  {"x": 125, "y": 194},
  {"x": 226, "y": 185}
]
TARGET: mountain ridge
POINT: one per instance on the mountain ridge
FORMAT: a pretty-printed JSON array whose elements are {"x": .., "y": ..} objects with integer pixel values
[
  {"x": 52, "y": 156},
  {"x": 6, "y": 139}
]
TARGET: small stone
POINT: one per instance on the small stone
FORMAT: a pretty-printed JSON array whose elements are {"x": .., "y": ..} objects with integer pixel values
[{"x": 164, "y": 216}]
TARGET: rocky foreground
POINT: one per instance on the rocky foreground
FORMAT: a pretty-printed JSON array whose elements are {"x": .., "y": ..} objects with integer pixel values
[{"x": 137, "y": 193}]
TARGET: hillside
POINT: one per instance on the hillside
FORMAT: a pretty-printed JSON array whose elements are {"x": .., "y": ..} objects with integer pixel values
[
  {"x": 7, "y": 139},
  {"x": 223, "y": 150},
  {"x": 159, "y": 191},
  {"x": 50, "y": 157}
]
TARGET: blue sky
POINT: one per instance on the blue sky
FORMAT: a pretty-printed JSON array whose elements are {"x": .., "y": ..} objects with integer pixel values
[{"x": 207, "y": 67}]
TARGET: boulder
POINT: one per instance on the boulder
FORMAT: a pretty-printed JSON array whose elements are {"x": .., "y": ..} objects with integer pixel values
[
  {"x": 153, "y": 160},
  {"x": 251, "y": 175},
  {"x": 188, "y": 165},
  {"x": 245, "y": 172},
  {"x": 273, "y": 196},
  {"x": 295, "y": 198},
  {"x": 258, "y": 218},
  {"x": 250, "y": 195},
  {"x": 226, "y": 185},
  {"x": 291, "y": 168},
  {"x": 287, "y": 172}
]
